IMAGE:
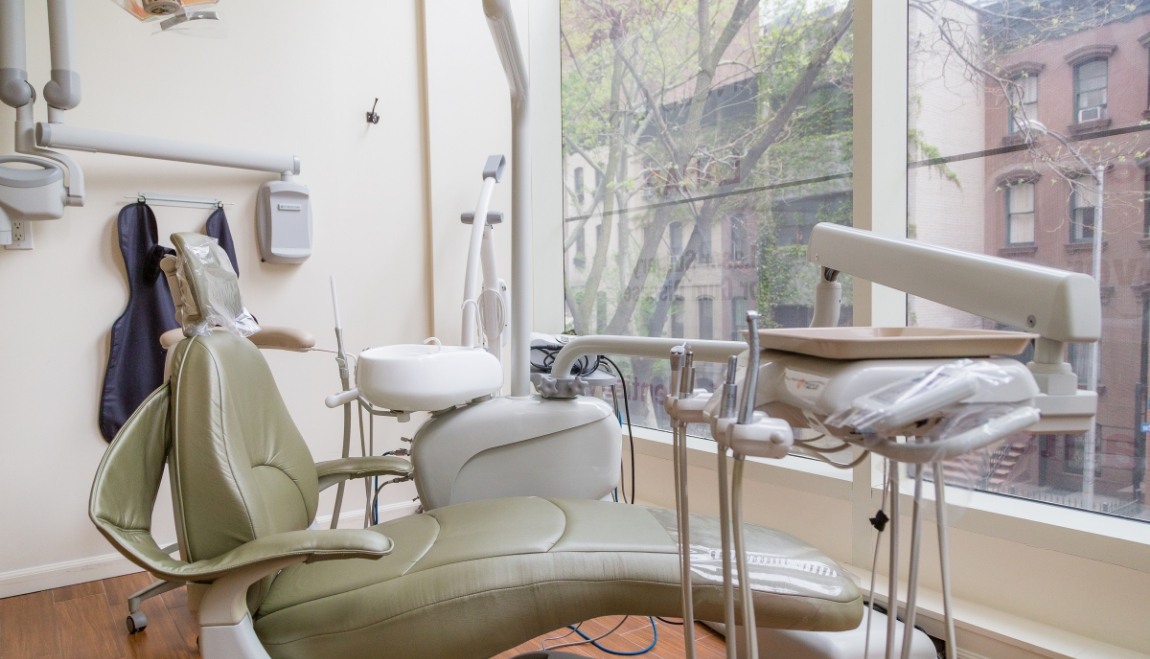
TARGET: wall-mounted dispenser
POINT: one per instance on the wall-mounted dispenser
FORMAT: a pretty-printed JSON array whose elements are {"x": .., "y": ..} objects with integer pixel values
[
  {"x": 31, "y": 192},
  {"x": 283, "y": 222}
]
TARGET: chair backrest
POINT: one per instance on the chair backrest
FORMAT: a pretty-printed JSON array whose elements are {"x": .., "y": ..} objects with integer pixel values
[{"x": 239, "y": 467}]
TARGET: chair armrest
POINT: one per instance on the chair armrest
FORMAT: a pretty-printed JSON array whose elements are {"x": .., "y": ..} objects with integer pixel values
[
  {"x": 283, "y": 338},
  {"x": 331, "y": 472},
  {"x": 271, "y": 551}
]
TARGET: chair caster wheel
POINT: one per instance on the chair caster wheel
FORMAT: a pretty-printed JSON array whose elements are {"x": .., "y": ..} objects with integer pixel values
[{"x": 137, "y": 622}]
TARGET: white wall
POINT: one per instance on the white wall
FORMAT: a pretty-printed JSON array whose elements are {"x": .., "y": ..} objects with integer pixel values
[{"x": 291, "y": 76}]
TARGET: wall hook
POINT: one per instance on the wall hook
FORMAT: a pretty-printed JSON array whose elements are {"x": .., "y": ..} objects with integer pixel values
[{"x": 372, "y": 116}]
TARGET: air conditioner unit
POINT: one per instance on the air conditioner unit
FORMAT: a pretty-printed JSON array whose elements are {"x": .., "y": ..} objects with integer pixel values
[{"x": 1090, "y": 114}]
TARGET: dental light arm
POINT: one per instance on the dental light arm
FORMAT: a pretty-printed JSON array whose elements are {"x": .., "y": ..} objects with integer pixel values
[
  {"x": 103, "y": 141},
  {"x": 62, "y": 92},
  {"x": 1059, "y": 306}
]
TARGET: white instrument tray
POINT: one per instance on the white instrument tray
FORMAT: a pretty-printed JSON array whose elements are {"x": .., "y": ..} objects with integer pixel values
[{"x": 894, "y": 342}]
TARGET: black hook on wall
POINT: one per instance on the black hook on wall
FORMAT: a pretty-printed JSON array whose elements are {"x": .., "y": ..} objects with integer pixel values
[{"x": 372, "y": 115}]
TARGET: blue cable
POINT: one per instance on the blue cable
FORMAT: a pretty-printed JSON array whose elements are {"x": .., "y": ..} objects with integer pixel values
[{"x": 621, "y": 653}]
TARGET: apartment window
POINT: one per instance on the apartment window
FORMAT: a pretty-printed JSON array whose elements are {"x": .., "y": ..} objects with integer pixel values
[
  {"x": 1083, "y": 208},
  {"x": 677, "y": 325},
  {"x": 1146, "y": 201},
  {"x": 1020, "y": 213},
  {"x": 1090, "y": 90},
  {"x": 738, "y": 317},
  {"x": 601, "y": 312},
  {"x": 580, "y": 258},
  {"x": 675, "y": 240},
  {"x": 738, "y": 239},
  {"x": 580, "y": 194},
  {"x": 705, "y": 249},
  {"x": 706, "y": 317},
  {"x": 1078, "y": 355},
  {"x": 1023, "y": 100}
]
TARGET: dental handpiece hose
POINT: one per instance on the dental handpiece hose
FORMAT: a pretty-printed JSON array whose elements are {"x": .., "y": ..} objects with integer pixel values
[
  {"x": 751, "y": 382},
  {"x": 345, "y": 381},
  {"x": 729, "y": 408},
  {"x": 685, "y": 388}
]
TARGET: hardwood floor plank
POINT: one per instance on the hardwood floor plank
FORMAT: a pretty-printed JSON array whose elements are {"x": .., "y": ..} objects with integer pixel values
[
  {"x": 77, "y": 591},
  {"x": 163, "y": 636},
  {"x": 28, "y": 627},
  {"x": 85, "y": 628}
]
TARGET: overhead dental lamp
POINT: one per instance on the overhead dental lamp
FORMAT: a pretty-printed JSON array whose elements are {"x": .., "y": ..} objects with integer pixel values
[{"x": 171, "y": 13}]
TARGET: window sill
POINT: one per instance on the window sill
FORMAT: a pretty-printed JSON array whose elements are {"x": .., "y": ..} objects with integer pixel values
[
  {"x": 1079, "y": 247},
  {"x": 1084, "y": 127},
  {"x": 1018, "y": 250},
  {"x": 1112, "y": 540}
]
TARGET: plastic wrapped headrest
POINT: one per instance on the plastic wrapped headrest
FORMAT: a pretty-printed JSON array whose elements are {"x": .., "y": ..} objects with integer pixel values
[{"x": 205, "y": 288}]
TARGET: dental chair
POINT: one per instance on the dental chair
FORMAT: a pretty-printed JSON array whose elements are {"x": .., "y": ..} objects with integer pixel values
[{"x": 466, "y": 580}]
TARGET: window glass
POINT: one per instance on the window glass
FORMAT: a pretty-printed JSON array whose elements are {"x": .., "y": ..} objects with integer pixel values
[
  {"x": 1023, "y": 90},
  {"x": 1082, "y": 194},
  {"x": 710, "y": 122},
  {"x": 1020, "y": 210},
  {"x": 706, "y": 317},
  {"x": 1090, "y": 90},
  {"x": 1083, "y": 206}
]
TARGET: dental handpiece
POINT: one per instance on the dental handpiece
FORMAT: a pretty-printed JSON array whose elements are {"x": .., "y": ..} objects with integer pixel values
[
  {"x": 751, "y": 380},
  {"x": 730, "y": 389}
]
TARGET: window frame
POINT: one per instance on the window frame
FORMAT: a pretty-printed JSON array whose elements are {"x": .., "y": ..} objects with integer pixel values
[
  {"x": 1026, "y": 81},
  {"x": 1080, "y": 93},
  {"x": 1081, "y": 231}
]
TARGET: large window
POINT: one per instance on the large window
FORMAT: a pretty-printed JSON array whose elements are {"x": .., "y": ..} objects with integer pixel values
[
  {"x": 1064, "y": 183},
  {"x": 705, "y": 134},
  {"x": 746, "y": 148}
]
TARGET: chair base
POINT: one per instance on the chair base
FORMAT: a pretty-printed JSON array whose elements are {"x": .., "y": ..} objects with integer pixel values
[{"x": 238, "y": 640}]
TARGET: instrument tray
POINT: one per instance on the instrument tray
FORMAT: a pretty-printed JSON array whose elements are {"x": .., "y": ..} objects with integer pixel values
[{"x": 894, "y": 342}]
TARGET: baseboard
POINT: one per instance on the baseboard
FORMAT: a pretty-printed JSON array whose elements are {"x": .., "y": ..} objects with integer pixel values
[
  {"x": 983, "y": 632},
  {"x": 112, "y": 564}
]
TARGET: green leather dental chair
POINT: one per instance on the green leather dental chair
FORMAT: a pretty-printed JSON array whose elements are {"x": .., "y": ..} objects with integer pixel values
[{"x": 467, "y": 580}]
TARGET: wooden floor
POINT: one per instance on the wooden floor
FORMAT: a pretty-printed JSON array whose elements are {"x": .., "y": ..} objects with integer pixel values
[{"x": 86, "y": 621}]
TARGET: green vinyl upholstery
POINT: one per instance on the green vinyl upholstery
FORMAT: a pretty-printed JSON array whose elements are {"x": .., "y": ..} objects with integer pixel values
[{"x": 467, "y": 580}]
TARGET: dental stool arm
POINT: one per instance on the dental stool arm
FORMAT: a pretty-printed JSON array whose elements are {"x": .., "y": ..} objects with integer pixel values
[{"x": 331, "y": 472}]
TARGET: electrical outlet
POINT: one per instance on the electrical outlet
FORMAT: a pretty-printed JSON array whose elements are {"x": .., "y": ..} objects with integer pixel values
[{"x": 21, "y": 236}]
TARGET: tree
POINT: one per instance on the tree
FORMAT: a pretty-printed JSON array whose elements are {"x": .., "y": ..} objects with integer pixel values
[{"x": 672, "y": 86}]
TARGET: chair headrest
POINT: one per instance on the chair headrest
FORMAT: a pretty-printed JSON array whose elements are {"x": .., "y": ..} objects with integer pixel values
[{"x": 205, "y": 288}]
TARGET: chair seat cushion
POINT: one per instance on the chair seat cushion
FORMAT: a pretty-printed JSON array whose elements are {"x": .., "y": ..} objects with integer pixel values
[{"x": 476, "y": 578}]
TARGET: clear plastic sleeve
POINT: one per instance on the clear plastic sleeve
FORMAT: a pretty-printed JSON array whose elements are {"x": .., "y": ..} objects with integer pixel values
[
  {"x": 210, "y": 288},
  {"x": 932, "y": 410}
]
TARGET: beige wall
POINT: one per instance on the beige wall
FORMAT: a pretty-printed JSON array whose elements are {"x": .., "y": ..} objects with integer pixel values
[{"x": 291, "y": 76}]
